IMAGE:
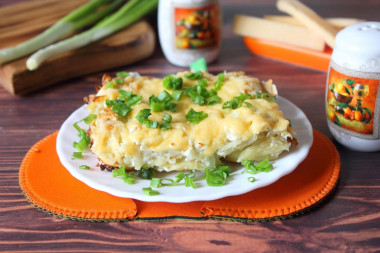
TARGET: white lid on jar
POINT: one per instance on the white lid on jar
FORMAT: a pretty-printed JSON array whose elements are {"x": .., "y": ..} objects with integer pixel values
[{"x": 357, "y": 47}]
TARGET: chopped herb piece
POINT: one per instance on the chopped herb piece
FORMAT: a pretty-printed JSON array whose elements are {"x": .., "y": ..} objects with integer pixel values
[
  {"x": 196, "y": 117},
  {"x": 155, "y": 104},
  {"x": 109, "y": 85},
  {"x": 84, "y": 167},
  {"x": 121, "y": 172},
  {"x": 171, "y": 106},
  {"x": 164, "y": 96},
  {"x": 214, "y": 100},
  {"x": 119, "y": 81},
  {"x": 90, "y": 118},
  {"x": 119, "y": 107},
  {"x": 167, "y": 118},
  {"x": 266, "y": 96},
  {"x": 251, "y": 179},
  {"x": 194, "y": 75},
  {"x": 264, "y": 165},
  {"x": 149, "y": 191},
  {"x": 129, "y": 180},
  {"x": 143, "y": 115},
  {"x": 221, "y": 77},
  {"x": 217, "y": 176},
  {"x": 126, "y": 94},
  {"x": 146, "y": 172},
  {"x": 203, "y": 82},
  {"x": 155, "y": 182},
  {"x": 151, "y": 124},
  {"x": 122, "y": 74},
  {"x": 172, "y": 82},
  {"x": 165, "y": 126},
  {"x": 134, "y": 100},
  {"x": 176, "y": 95},
  {"x": 237, "y": 101},
  {"x": 77, "y": 155}
]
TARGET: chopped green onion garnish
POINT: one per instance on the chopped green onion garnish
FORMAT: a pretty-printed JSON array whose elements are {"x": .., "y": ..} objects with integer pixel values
[
  {"x": 129, "y": 180},
  {"x": 155, "y": 182},
  {"x": 176, "y": 95},
  {"x": 118, "y": 107},
  {"x": 263, "y": 166},
  {"x": 109, "y": 85},
  {"x": 143, "y": 115},
  {"x": 196, "y": 117},
  {"x": 77, "y": 155},
  {"x": 167, "y": 118},
  {"x": 119, "y": 81},
  {"x": 149, "y": 191},
  {"x": 164, "y": 96},
  {"x": 84, "y": 167},
  {"x": 121, "y": 172},
  {"x": 171, "y": 82},
  {"x": 251, "y": 179},
  {"x": 146, "y": 172},
  {"x": 151, "y": 124},
  {"x": 217, "y": 176},
  {"x": 90, "y": 118},
  {"x": 214, "y": 100},
  {"x": 266, "y": 96},
  {"x": 122, "y": 74},
  {"x": 237, "y": 102},
  {"x": 126, "y": 94},
  {"x": 203, "y": 82},
  {"x": 219, "y": 83},
  {"x": 194, "y": 75}
]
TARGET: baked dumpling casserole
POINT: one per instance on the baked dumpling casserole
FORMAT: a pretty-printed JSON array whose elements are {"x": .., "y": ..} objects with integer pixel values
[{"x": 186, "y": 121}]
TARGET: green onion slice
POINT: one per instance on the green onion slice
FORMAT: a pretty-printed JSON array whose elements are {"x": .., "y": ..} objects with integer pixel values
[
  {"x": 149, "y": 191},
  {"x": 196, "y": 117}
]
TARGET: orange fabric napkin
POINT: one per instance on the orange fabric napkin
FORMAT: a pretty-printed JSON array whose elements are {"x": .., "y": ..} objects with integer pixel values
[{"x": 49, "y": 186}]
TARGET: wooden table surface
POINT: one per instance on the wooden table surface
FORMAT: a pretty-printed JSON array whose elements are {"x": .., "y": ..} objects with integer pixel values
[{"x": 347, "y": 222}]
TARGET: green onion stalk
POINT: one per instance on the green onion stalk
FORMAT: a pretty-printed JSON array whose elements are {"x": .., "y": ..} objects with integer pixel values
[
  {"x": 128, "y": 14},
  {"x": 81, "y": 17}
]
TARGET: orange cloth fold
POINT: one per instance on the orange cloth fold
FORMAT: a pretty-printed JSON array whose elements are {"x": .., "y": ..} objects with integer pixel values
[{"x": 49, "y": 186}]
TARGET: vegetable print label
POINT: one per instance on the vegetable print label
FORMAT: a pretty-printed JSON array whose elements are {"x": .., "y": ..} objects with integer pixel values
[
  {"x": 196, "y": 27},
  {"x": 351, "y": 103}
]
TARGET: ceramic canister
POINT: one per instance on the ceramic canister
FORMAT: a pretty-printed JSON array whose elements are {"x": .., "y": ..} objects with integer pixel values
[{"x": 353, "y": 92}]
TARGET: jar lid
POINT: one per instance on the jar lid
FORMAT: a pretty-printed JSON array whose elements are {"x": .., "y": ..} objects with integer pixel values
[{"x": 357, "y": 47}]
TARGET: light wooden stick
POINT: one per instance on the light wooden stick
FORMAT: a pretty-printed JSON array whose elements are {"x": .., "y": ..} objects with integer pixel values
[
  {"x": 338, "y": 23},
  {"x": 278, "y": 31},
  {"x": 310, "y": 19}
]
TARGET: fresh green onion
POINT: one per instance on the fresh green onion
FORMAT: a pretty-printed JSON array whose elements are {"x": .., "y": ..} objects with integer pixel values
[
  {"x": 146, "y": 172},
  {"x": 81, "y": 17},
  {"x": 203, "y": 82},
  {"x": 177, "y": 94},
  {"x": 121, "y": 172},
  {"x": 149, "y": 191},
  {"x": 119, "y": 81},
  {"x": 143, "y": 115},
  {"x": 90, "y": 118},
  {"x": 128, "y": 14},
  {"x": 251, "y": 179},
  {"x": 217, "y": 176},
  {"x": 119, "y": 107},
  {"x": 196, "y": 117},
  {"x": 263, "y": 166},
  {"x": 122, "y": 74},
  {"x": 266, "y": 96},
  {"x": 219, "y": 83},
  {"x": 164, "y": 96},
  {"x": 237, "y": 101},
  {"x": 194, "y": 75},
  {"x": 151, "y": 124},
  {"x": 172, "y": 82},
  {"x": 109, "y": 85},
  {"x": 214, "y": 100},
  {"x": 84, "y": 167},
  {"x": 77, "y": 155}
]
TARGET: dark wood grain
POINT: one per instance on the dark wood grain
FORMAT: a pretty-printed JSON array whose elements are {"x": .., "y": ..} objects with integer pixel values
[{"x": 347, "y": 222}]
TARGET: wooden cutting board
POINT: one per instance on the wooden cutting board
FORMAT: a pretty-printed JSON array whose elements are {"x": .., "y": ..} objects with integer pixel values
[{"x": 22, "y": 21}]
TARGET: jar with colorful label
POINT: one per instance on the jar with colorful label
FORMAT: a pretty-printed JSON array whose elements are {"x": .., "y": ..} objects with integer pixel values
[
  {"x": 353, "y": 90},
  {"x": 189, "y": 30}
]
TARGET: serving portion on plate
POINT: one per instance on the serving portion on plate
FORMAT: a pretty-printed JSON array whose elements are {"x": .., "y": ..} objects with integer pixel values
[{"x": 198, "y": 124}]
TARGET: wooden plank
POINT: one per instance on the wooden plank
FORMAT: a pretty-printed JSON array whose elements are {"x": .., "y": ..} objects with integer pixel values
[
  {"x": 128, "y": 46},
  {"x": 24, "y": 20}
]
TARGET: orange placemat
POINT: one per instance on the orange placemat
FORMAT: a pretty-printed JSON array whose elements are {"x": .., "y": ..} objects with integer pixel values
[{"x": 50, "y": 187}]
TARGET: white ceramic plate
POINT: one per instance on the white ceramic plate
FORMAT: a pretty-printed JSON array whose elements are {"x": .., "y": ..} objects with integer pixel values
[{"x": 237, "y": 182}]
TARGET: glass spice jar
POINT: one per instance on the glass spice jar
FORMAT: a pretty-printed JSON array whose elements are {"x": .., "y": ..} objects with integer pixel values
[
  {"x": 353, "y": 90},
  {"x": 189, "y": 30}
]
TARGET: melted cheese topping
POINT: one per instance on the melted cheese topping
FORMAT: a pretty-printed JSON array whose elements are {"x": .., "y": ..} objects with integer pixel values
[{"x": 114, "y": 137}]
